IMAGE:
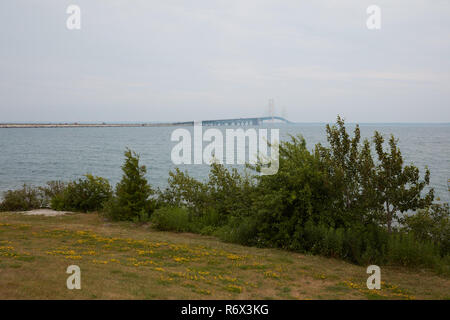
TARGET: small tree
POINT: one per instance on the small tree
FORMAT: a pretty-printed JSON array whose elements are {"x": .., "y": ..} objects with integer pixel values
[
  {"x": 132, "y": 198},
  {"x": 350, "y": 170},
  {"x": 398, "y": 187}
]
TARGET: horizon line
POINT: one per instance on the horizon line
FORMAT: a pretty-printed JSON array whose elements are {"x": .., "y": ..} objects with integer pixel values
[{"x": 181, "y": 121}]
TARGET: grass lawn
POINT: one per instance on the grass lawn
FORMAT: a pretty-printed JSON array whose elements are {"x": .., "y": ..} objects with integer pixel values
[{"x": 126, "y": 261}]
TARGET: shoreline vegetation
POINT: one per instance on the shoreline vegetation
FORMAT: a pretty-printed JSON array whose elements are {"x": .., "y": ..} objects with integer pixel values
[{"x": 345, "y": 201}]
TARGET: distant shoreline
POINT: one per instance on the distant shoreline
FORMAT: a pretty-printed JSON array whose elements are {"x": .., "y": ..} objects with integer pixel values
[
  {"x": 190, "y": 123},
  {"x": 87, "y": 125}
]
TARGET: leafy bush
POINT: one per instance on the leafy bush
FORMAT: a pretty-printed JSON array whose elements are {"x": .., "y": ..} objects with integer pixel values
[
  {"x": 207, "y": 222},
  {"x": 185, "y": 191},
  {"x": 172, "y": 219},
  {"x": 240, "y": 230},
  {"x": 86, "y": 194},
  {"x": 26, "y": 198},
  {"x": 298, "y": 193},
  {"x": 52, "y": 190},
  {"x": 230, "y": 192},
  {"x": 226, "y": 193},
  {"x": 210, "y": 207},
  {"x": 181, "y": 219},
  {"x": 132, "y": 197},
  {"x": 431, "y": 224},
  {"x": 357, "y": 245},
  {"x": 443, "y": 266},
  {"x": 404, "y": 249}
]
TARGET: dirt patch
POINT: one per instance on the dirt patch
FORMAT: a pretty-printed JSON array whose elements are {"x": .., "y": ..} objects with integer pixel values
[{"x": 45, "y": 212}]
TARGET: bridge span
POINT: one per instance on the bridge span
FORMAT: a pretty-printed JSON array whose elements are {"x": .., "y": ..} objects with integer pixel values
[
  {"x": 235, "y": 122},
  {"x": 220, "y": 122}
]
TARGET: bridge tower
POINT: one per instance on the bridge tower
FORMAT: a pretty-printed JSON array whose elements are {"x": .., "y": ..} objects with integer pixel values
[
  {"x": 271, "y": 108},
  {"x": 283, "y": 112}
]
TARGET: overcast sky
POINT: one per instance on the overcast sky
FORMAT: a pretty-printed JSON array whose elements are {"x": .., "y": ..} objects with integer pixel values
[{"x": 144, "y": 60}]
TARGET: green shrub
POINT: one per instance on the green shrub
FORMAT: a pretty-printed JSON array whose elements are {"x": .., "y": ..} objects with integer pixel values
[
  {"x": 57, "y": 202},
  {"x": 240, "y": 230},
  {"x": 405, "y": 250},
  {"x": 86, "y": 194},
  {"x": 283, "y": 203},
  {"x": 172, "y": 219},
  {"x": 210, "y": 218},
  {"x": 132, "y": 200},
  {"x": 226, "y": 193},
  {"x": 142, "y": 216},
  {"x": 181, "y": 219},
  {"x": 26, "y": 198},
  {"x": 52, "y": 190},
  {"x": 229, "y": 191},
  {"x": 443, "y": 266},
  {"x": 112, "y": 209},
  {"x": 185, "y": 191},
  {"x": 431, "y": 224}
]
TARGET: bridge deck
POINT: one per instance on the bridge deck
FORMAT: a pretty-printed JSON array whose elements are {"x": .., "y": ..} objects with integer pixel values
[
  {"x": 219, "y": 122},
  {"x": 241, "y": 121}
]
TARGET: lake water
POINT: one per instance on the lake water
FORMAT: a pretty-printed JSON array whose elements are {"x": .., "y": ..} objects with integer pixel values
[{"x": 37, "y": 155}]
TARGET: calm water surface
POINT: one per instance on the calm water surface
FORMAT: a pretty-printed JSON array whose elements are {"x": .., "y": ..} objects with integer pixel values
[{"x": 37, "y": 155}]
